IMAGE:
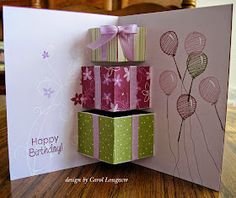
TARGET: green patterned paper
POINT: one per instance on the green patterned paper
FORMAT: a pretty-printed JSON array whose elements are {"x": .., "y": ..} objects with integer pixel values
[
  {"x": 123, "y": 140},
  {"x": 85, "y": 127},
  {"x": 114, "y": 50},
  {"x": 145, "y": 135},
  {"x": 106, "y": 139}
]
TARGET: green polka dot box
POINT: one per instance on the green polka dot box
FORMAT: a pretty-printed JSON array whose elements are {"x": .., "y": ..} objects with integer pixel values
[{"x": 116, "y": 137}]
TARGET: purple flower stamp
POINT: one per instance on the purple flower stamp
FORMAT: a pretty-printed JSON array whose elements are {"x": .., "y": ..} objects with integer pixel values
[
  {"x": 45, "y": 54},
  {"x": 48, "y": 92}
]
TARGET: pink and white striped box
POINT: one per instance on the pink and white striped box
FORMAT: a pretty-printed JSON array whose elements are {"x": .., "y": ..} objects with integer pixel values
[{"x": 116, "y": 88}]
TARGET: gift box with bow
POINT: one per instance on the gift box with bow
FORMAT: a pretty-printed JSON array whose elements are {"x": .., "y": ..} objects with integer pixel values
[
  {"x": 116, "y": 88},
  {"x": 112, "y": 43},
  {"x": 116, "y": 137}
]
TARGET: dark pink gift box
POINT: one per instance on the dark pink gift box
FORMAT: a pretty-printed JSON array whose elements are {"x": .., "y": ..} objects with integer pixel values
[{"x": 115, "y": 88}]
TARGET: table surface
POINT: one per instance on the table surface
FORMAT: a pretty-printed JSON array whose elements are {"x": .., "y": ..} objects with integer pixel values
[{"x": 142, "y": 182}]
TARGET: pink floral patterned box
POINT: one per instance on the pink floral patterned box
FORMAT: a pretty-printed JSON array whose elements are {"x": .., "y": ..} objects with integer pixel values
[{"x": 115, "y": 88}]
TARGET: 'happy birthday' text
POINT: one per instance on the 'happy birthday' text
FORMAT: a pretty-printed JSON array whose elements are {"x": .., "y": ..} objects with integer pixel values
[{"x": 46, "y": 145}]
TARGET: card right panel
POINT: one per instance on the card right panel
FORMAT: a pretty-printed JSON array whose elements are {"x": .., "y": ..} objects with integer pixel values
[{"x": 189, "y": 51}]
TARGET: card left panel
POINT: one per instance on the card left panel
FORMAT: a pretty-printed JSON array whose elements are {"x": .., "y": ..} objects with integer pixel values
[{"x": 44, "y": 51}]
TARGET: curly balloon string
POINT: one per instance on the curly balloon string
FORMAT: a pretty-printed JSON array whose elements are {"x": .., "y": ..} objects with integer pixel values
[
  {"x": 177, "y": 162},
  {"x": 194, "y": 149},
  {"x": 206, "y": 144},
  {"x": 218, "y": 116},
  {"x": 168, "y": 131},
  {"x": 186, "y": 154}
]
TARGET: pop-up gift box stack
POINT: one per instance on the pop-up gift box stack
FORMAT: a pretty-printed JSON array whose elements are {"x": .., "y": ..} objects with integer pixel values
[{"x": 115, "y": 129}]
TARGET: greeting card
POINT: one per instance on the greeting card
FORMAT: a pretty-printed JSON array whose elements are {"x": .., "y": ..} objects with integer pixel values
[{"x": 188, "y": 52}]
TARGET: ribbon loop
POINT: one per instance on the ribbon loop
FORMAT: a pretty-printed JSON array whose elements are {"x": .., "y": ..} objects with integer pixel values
[
  {"x": 109, "y": 29},
  {"x": 125, "y": 35}
]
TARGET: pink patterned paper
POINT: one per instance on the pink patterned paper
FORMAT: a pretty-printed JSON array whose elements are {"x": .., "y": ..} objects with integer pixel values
[
  {"x": 88, "y": 88},
  {"x": 107, "y": 87},
  {"x": 121, "y": 89},
  {"x": 116, "y": 86},
  {"x": 143, "y": 90}
]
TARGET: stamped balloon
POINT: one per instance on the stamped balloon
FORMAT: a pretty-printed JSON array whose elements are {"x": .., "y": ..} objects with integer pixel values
[
  {"x": 195, "y": 42},
  {"x": 169, "y": 44},
  {"x": 196, "y": 65},
  {"x": 168, "y": 81},
  {"x": 186, "y": 106},
  {"x": 209, "y": 89}
]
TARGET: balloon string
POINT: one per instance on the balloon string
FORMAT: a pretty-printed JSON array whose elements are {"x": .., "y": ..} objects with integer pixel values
[
  {"x": 190, "y": 89},
  {"x": 184, "y": 75},
  {"x": 176, "y": 165},
  {"x": 177, "y": 68},
  {"x": 168, "y": 130},
  {"x": 180, "y": 129},
  {"x": 167, "y": 110},
  {"x": 194, "y": 149},
  {"x": 217, "y": 113},
  {"x": 186, "y": 154},
  {"x": 182, "y": 84},
  {"x": 205, "y": 141}
]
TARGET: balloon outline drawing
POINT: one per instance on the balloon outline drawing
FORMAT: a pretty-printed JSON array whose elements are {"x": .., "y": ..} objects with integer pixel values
[
  {"x": 169, "y": 43},
  {"x": 195, "y": 42},
  {"x": 168, "y": 83},
  {"x": 209, "y": 89},
  {"x": 186, "y": 105},
  {"x": 196, "y": 65}
]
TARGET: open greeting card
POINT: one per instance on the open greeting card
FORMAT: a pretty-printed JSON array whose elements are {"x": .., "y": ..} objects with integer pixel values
[{"x": 157, "y": 95}]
